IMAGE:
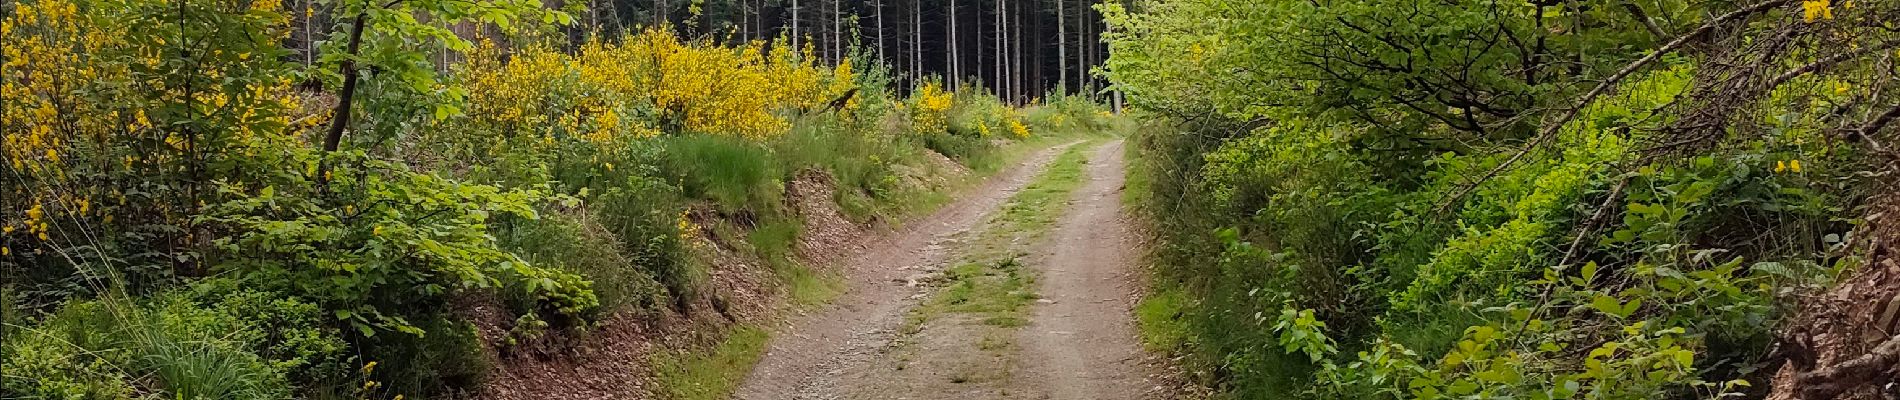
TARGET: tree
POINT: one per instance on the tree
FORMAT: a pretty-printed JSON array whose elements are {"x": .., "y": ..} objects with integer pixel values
[
  {"x": 955, "y": 61},
  {"x": 1062, "y": 47}
]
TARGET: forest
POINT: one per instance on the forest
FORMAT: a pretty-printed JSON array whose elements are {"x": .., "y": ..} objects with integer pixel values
[
  {"x": 231, "y": 199},
  {"x": 1547, "y": 200},
  {"x": 961, "y": 199}
]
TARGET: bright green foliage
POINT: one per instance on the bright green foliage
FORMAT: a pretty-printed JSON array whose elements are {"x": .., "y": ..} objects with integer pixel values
[
  {"x": 210, "y": 342},
  {"x": 1361, "y": 200},
  {"x": 413, "y": 238}
]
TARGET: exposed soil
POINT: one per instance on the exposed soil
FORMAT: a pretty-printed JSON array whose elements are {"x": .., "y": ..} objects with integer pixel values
[
  {"x": 1845, "y": 343},
  {"x": 826, "y": 234},
  {"x": 1084, "y": 344},
  {"x": 807, "y": 354},
  {"x": 611, "y": 361},
  {"x": 1079, "y": 343}
]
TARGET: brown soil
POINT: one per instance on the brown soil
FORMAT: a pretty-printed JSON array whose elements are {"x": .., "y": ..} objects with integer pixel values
[
  {"x": 1834, "y": 346},
  {"x": 827, "y": 234},
  {"x": 807, "y": 354},
  {"x": 1084, "y": 345},
  {"x": 611, "y": 361},
  {"x": 1080, "y": 343}
]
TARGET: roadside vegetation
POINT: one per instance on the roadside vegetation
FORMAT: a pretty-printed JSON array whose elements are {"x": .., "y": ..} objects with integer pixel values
[
  {"x": 1546, "y": 200},
  {"x": 189, "y": 213}
]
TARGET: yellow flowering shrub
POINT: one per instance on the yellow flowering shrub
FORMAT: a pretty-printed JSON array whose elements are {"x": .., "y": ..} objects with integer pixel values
[
  {"x": 930, "y": 108},
  {"x": 649, "y": 83},
  {"x": 99, "y": 132}
]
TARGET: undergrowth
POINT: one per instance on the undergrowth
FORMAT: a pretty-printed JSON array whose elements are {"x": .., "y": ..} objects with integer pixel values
[
  {"x": 1355, "y": 230},
  {"x": 220, "y": 232}
]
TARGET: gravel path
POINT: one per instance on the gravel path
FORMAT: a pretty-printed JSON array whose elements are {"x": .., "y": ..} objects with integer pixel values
[
  {"x": 805, "y": 357},
  {"x": 1083, "y": 344},
  {"x": 1080, "y": 342}
]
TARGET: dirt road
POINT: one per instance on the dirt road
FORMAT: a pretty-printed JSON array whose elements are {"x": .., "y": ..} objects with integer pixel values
[
  {"x": 1084, "y": 343},
  {"x": 1021, "y": 289}
]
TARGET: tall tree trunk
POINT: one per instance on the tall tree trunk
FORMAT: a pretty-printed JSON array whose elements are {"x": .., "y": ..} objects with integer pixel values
[
  {"x": 1016, "y": 55},
  {"x": 1062, "y": 47},
  {"x": 880, "y": 33},
  {"x": 837, "y": 32},
  {"x": 1038, "y": 49},
  {"x": 1002, "y": 50},
  {"x": 996, "y": 51},
  {"x": 955, "y": 67},
  {"x": 1081, "y": 48},
  {"x": 793, "y": 13},
  {"x": 917, "y": 40}
]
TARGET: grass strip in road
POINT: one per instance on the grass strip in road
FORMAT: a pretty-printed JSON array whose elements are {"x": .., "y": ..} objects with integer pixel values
[{"x": 991, "y": 287}]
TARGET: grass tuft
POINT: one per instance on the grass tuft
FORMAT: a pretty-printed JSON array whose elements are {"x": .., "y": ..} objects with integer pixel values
[{"x": 715, "y": 373}]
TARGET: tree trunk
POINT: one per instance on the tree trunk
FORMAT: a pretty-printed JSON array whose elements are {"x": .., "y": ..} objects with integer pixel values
[
  {"x": 1016, "y": 55},
  {"x": 837, "y": 32},
  {"x": 955, "y": 67},
  {"x": 996, "y": 52},
  {"x": 917, "y": 42},
  {"x": 880, "y": 33},
  {"x": 1062, "y": 48},
  {"x": 1081, "y": 49},
  {"x": 340, "y": 117}
]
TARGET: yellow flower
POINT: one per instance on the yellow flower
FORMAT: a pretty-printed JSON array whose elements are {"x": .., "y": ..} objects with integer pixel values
[
  {"x": 1794, "y": 166},
  {"x": 1781, "y": 166},
  {"x": 378, "y": 231},
  {"x": 1817, "y": 9},
  {"x": 4, "y": 251},
  {"x": 34, "y": 214},
  {"x": 6, "y": 229},
  {"x": 610, "y": 166},
  {"x": 1840, "y": 88},
  {"x": 371, "y": 366}
]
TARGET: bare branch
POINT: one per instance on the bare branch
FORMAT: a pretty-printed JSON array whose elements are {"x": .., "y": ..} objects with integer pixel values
[
  {"x": 1874, "y": 368},
  {"x": 1637, "y": 13}
]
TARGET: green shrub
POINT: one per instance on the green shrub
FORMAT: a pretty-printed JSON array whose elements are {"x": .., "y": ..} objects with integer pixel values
[
  {"x": 69, "y": 355},
  {"x": 576, "y": 242},
  {"x": 374, "y": 249},
  {"x": 449, "y": 357},
  {"x": 296, "y": 336},
  {"x": 175, "y": 346},
  {"x": 967, "y": 149}
]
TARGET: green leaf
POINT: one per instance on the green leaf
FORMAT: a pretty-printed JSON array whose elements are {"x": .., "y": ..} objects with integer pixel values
[
  {"x": 1610, "y": 305},
  {"x": 1685, "y": 358}
]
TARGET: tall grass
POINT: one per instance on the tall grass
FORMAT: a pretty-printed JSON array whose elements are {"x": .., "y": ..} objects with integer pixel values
[{"x": 735, "y": 173}]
